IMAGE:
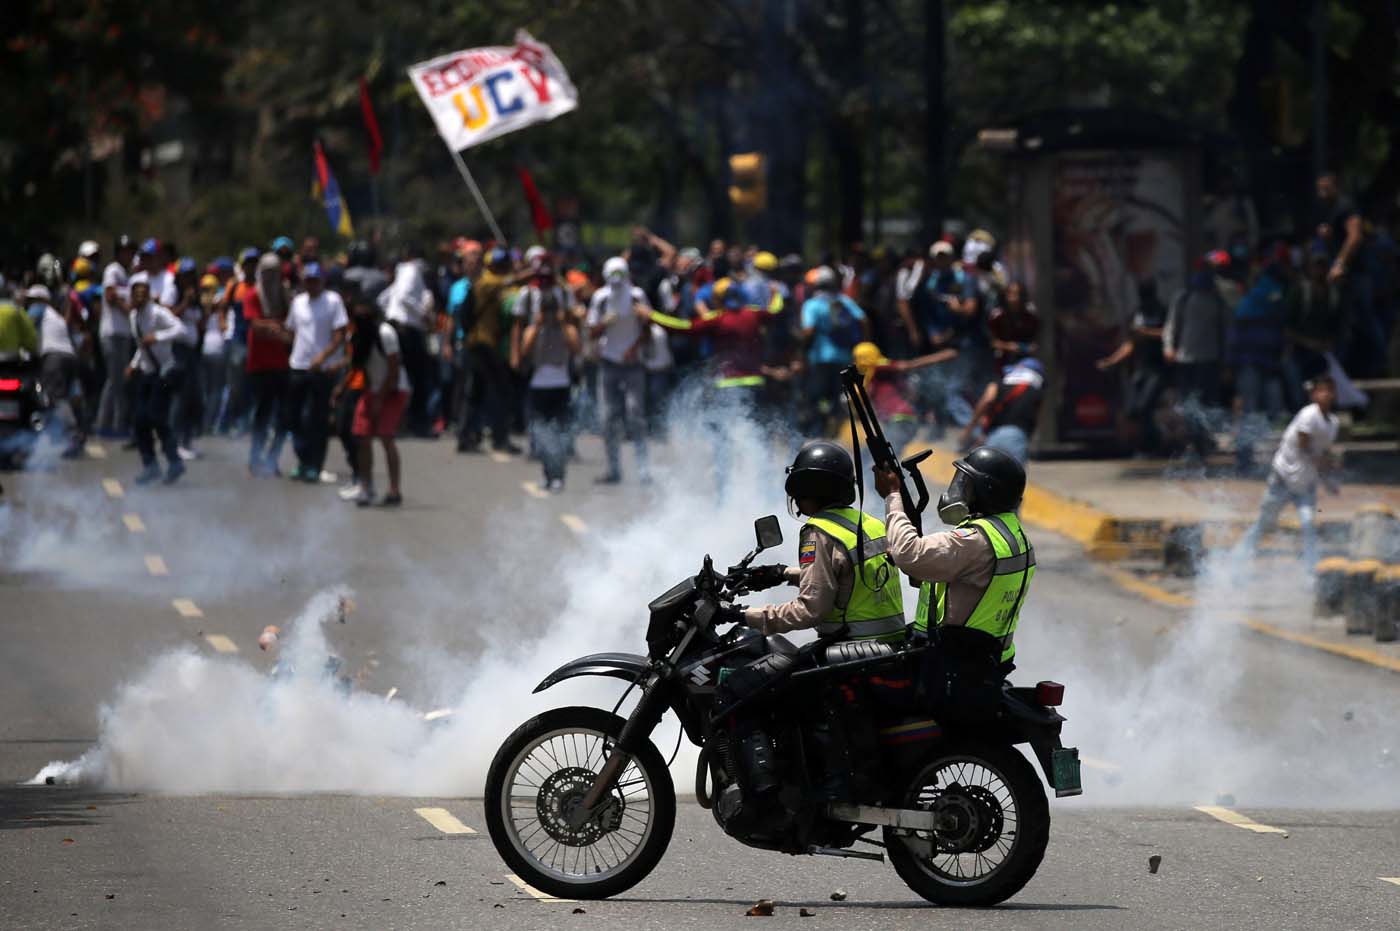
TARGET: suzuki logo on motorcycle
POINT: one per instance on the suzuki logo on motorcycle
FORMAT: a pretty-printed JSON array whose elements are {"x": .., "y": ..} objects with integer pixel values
[{"x": 700, "y": 676}]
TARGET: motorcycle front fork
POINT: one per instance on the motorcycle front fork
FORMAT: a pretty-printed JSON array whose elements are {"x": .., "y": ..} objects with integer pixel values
[{"x": 643, "y": 720}]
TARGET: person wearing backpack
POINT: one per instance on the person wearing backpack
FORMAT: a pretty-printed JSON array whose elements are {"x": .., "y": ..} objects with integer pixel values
[{"x": 832, "y": 326}]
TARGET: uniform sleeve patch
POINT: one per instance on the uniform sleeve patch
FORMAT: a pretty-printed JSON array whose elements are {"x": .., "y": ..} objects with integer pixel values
[
  {"x": 807, "y": 553},
  {"x": 966, "y": 532}
]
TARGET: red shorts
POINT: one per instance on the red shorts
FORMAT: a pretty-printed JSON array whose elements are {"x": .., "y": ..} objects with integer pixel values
[{"x": 387, "y": 423}]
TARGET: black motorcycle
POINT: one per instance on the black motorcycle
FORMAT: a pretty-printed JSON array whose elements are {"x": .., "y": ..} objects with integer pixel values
[
  {"x": 24, "y": 412},
  {"x": 803, "y": 750}
]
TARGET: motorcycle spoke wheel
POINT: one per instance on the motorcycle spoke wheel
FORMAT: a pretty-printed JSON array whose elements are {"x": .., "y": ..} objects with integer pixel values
[
  {"x": 547, "y": 780},
  {"x": 983, "y": 816}
]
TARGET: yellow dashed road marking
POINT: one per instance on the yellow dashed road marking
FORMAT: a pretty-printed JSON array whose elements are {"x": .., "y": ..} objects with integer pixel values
[
  {"x": 531, "y": 891},
  {"x": 155, "y": 565},
  {"x": 443, "y": 820},
  {"x": 1394, "y": 880},
  {"x": 534, "y": 490},
  {"x": 574, "y": 523},
  {"x": 112, "y": 487},
  {"x": 221, "y": 643},
  {"x": 1238, "y": 820},
  {"x": 134, "y": 523},
  {"x": 187, "y": 608},
  {"x": 96, "y": 450}
]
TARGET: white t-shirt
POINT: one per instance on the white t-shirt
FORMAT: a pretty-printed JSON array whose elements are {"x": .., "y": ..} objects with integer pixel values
[
  {"x": 1295, "y": 465},
  {"x": 625, "y": 328},
  {"x": 408, "y": 301},
  {"x": 114, "y": 321},
  {"x": 313, "y": 323},
  {"x": 155, "y": 318},
  {"x": 656, "y": 353},
  {"x": 214, "y": 334},
  {"x": 163, "y": 290},
  {"x": 377, "y": 366},
  {"x": 53, "y": 334}
]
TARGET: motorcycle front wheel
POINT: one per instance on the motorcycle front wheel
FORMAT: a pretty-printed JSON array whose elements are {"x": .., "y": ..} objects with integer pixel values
[
  {"x": 994, "y": 831},
  {"x": 541, "y": 774}
]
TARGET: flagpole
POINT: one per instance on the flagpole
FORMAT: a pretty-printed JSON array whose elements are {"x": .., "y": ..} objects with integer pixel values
[{"x": 476, "y": 193}]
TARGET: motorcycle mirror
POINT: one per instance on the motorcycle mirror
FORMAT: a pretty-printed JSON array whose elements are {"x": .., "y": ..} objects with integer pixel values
[{"x": 769, "y": 533}]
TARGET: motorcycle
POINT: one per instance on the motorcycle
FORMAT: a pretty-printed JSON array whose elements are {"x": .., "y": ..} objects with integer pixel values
[
  {"x": 580, "y": 802},
  {"x": 24, "y": 412}
]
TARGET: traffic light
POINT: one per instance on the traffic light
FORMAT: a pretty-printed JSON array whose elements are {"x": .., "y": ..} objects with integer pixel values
[{"x": 749, "y": 191}]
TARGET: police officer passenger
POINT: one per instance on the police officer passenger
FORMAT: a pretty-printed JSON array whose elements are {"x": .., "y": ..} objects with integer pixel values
[
  {"x": 832, "y": 591},
  {"x": 977, "y": 574}
]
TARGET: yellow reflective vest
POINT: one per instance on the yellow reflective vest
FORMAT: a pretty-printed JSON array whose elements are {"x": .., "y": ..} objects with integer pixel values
[{"x": 875, "y": 610}]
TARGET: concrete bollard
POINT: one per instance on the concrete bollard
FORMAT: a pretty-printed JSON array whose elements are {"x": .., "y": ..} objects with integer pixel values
[
  {"x": 1331, "y": 579},
  {"x": 1359, "y": 596},
  {"x": 1375, "y": 534},
  {"x": 1388, "y": 604}
]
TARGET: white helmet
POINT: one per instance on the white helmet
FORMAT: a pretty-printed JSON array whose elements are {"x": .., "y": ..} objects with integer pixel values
[
  {"x": 615, "y": 267},
  {"x": 825, "y": 279},
  {"x": 38, "y": 292}
]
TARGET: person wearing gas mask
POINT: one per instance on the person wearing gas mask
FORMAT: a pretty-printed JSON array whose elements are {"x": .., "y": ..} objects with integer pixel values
[{"x": 975, "y": 575}]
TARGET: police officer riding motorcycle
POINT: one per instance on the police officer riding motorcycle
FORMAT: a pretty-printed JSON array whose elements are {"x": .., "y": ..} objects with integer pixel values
[{"x": 808, "y": 749}]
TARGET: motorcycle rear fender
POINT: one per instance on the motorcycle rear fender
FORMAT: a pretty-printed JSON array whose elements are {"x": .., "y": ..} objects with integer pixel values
[
  {"x": 628, "y": 667},
  {"x": 1028, "y": 722}
]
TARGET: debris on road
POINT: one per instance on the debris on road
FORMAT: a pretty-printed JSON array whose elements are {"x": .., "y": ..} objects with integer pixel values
[
  {"x": 839, "y": 895},
  {"x": 440, "y": 882},
  {"x": 1153, "y": 862},
  {"x": 68, "y": 840},
  {"x": 111, "y": 895},
  {"x": 804, "y": 913},
  {"x": 268, "y": 638},
  {"x": 579, "y": 911},
  {"x": 763, "y": 908}
]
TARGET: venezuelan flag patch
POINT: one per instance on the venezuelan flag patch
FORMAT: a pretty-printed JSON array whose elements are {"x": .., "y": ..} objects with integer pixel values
[
  {"x": 807, "y": 553},
  {"x": 911, "y": 732}
]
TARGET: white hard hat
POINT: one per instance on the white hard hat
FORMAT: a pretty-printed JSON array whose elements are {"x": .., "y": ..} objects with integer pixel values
[
  {"x": 616, "y": 265},
  {"x": 38, "y": 292},
  {"x": 88, "y": 249},
  {"x": 533, "y": 253}
]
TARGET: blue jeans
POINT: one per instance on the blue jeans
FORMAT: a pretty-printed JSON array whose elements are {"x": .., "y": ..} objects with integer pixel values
[
  {"x": 1011, "y": 440},
  {"x": 1276, "y": 495}
]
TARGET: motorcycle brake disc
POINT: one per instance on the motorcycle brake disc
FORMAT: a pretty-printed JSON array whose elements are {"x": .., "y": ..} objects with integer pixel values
[{"x": 561, "y": 794}]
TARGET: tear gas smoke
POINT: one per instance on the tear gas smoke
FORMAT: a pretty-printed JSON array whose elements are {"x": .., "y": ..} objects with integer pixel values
[{"x": 1169, "y": 711}]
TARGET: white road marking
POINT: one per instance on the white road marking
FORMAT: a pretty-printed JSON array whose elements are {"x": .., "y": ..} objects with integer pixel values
[
  {"x": 443, "y": 820},
  {"x": 574, "y": 523},
  {"x": 155, "y": 565},
  {"x": 1090, "y": 762},
  {"x": 96, "y": 450},
  {"x": 531, "y": 891},
  {"x": 1238, "y": 820},
  {"x": 1395, "y": 880},
  {"x": 134, "y": 523},
  {"x": 498, "y": 456},
  {"x": 112, "y": 487},
  {"x": 221, "y": 643},
  {"x": 389, "y": 695},
  {"x": 534, "y": 490},
  {"x": 187, "y": 608}
]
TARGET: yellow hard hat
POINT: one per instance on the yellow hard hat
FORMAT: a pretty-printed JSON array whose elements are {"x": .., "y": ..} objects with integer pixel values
[
  {"x": 208, "y": 281},
  {"x": 868, "y": 356},
  {"x": 765, "y": 262}
]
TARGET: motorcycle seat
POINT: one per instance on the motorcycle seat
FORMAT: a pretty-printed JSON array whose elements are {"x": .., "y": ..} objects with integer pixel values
[{"x": 851, "y": 650}]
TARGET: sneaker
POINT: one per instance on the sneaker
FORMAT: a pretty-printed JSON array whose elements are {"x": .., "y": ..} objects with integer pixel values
[
  {"x": 187, "y": 454},
  {"x": 349, "y": 492},
  {"x": 392, "y": 500},
  {"x": 612, "y": 478},
  {"x": 311, "y": 476},
  {"x": 364, "y": 498},
  {"x": 469, "y": 445},
  {"x": 327, "y": 478},
  {"x": 148, "y": 474},
  {"x": 555, "y": 485},
  {"x": 177, "y": 469}
]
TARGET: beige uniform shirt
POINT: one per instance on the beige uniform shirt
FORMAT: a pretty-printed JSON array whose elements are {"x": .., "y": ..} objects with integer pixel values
[
  {"x": 823, "y": 583},
  {"x": 962, "y": 558}
]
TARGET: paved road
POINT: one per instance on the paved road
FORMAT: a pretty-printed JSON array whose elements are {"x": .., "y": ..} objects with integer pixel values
[{"x": 285, "y": 802}]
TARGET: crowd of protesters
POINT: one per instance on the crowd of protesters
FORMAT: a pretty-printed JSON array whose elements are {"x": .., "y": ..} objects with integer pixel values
[{"x": 489, "y": 344}]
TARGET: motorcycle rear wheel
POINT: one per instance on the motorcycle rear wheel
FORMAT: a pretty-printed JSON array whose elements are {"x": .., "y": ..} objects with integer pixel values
[
  {"x": 540, "y": 770},
  {"x": 1003, "y": 827}
]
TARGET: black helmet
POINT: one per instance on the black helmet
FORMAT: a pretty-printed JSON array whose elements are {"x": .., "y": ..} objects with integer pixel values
[
  {"x": 986, "y": 481},
  {"x": 823, "y": 472}
]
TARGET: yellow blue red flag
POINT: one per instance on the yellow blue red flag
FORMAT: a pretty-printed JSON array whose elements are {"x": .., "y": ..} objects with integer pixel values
[{"x": 325, "y": 189}]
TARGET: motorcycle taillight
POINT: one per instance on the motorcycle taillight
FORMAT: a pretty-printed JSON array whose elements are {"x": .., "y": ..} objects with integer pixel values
[
  {"x": 1050, "y": 694},
  {"x": 9, "y": 384}
]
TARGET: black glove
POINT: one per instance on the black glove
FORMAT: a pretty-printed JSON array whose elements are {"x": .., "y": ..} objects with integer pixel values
[
  {"x": 729, "y": 614},
  {"x": 765, "y": 577}
]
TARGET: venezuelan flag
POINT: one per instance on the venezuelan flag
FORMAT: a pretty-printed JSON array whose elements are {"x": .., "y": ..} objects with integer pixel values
[{"x": 325, "y": 189}]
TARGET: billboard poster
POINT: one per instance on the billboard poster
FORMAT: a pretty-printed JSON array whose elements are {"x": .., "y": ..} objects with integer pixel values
[{"x": 1119, "y": 228}]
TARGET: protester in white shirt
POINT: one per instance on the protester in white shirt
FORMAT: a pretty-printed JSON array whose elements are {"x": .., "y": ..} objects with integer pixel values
[
  {"x": 316, "y": 324},
  {"x": 58, "y": 364},
  {"x": 377, "y": 413},
  {"x": 114, "y": 334},
  {"x": 408, "y": 304},
  {"x": 155, "y": 379},
  {"x": 1303, "y": 460},
  {"x": 621, "y": 334}
]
